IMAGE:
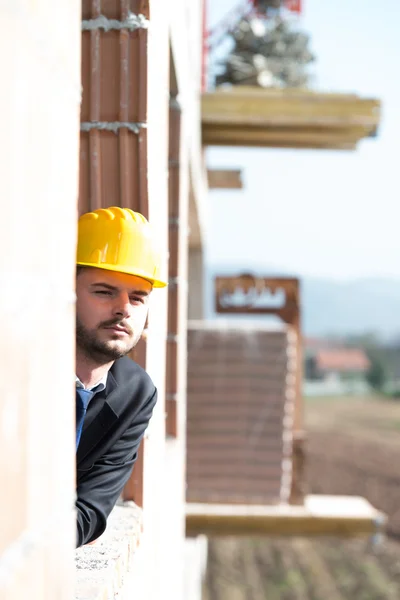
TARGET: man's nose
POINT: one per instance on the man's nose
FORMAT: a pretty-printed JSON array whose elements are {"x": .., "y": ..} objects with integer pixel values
[{"x": 122, "y": 306}]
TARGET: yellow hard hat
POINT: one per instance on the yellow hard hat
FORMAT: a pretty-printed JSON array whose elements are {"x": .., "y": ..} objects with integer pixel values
[{"x": 118, "y": 239}]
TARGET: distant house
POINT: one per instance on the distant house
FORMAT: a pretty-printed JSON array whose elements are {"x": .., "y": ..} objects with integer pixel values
[
  {"x": 336, "y": 370},
  {"x": 337, "y": 363}
]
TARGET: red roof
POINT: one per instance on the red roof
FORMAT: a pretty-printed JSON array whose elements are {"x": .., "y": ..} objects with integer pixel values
[{"x": 345, "y": 359}]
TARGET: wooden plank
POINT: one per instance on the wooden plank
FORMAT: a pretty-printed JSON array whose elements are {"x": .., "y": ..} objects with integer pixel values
[
  {"x": 255, "y": 106},
  {"x": 225, "y": 179},
  {"x": 249, "y": 116},
  {"x": 346, "y": 516},
  {"x": 273, "y": 137}
]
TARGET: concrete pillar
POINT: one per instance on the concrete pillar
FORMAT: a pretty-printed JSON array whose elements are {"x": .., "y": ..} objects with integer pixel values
[
  {"x": 196, "y": 284},
  {"x": 40, "y": 102}
]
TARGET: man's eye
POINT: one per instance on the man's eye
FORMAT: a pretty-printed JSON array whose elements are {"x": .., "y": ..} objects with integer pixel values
[
  {"x": 136, "y": 299},
  {"x": 103, "y": 292}
]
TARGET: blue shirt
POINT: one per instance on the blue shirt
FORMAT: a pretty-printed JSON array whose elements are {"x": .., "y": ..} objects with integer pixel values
[{"x": 83, "y": 397}]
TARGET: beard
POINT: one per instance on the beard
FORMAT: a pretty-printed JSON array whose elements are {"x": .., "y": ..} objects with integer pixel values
[{"x": 104, "y": 351}]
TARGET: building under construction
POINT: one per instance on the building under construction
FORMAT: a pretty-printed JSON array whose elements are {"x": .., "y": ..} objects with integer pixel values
[{"x": 105, "y": 105}]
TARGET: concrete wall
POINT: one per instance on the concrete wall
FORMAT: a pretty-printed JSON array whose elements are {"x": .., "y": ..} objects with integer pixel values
[
  {"x": 186, "y": 41},
  {"x": 196, "y": 284},
  {"x": 149, "y": 559},
  {"x": 196, "y": 550},
  {"x": 39, "y": 103},
  {"x": 159, "y": 564}
]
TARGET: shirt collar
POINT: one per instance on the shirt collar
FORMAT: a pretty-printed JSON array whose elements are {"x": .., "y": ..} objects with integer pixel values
[{"x": 97, "y": 387}]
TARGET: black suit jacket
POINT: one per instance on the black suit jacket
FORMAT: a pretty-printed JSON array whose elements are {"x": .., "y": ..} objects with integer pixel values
[{"x": 114, "y": 425}]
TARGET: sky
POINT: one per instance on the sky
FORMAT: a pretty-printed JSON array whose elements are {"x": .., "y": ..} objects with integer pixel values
[{"x": 321, "y": 213}]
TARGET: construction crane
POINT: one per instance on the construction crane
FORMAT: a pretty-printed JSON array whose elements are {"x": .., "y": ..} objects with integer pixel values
[
  {"x": 267, "y": 51},
  {"x": 260, "y": 8}
]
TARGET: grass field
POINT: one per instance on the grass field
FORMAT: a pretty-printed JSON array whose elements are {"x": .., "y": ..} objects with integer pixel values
[{"x": 353, "y": 448}]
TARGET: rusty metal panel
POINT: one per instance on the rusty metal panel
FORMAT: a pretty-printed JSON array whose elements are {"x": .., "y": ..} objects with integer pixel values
[{"x": 239, "y": 420}]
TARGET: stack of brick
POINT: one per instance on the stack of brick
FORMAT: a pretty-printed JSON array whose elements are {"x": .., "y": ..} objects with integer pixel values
[{"x": 240, "y": 407}]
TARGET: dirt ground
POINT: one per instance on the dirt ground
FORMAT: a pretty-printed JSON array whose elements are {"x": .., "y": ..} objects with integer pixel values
[{"x": 353, "y": 448}]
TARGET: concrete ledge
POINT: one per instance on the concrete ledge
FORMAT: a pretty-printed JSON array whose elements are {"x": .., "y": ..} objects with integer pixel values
[{"x": 101, "y": 568}]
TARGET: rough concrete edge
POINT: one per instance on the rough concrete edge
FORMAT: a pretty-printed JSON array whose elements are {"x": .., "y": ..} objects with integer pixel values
[{"x": 101, "y": 568}]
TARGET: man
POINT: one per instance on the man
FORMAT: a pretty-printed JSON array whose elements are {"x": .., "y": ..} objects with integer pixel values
[{"x": 117, "y": 268}]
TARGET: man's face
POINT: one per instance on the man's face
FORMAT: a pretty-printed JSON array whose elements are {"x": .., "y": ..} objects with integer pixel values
[{"x": 111, "y": 311}]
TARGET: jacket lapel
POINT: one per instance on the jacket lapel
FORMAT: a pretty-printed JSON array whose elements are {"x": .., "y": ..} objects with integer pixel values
[
  {"x": 116, "y": 400},
  {"x": 94, "y": 433}
]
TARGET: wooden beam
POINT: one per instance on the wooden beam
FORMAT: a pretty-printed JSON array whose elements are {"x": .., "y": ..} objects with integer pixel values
[
  {"x": 256, "y": 106},
  {"x": 279, "y": 137},
  {"x": 250, "y": 116},
  {"x": 225, "y": 179},
  {"x": 342, "y": 516}
]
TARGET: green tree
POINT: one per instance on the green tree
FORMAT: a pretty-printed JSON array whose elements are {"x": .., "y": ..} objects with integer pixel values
[{"x": 376, "y": 375}]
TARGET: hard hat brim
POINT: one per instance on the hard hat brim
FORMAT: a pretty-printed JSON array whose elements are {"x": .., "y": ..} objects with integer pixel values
[{"x": 156, "y": 283}]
